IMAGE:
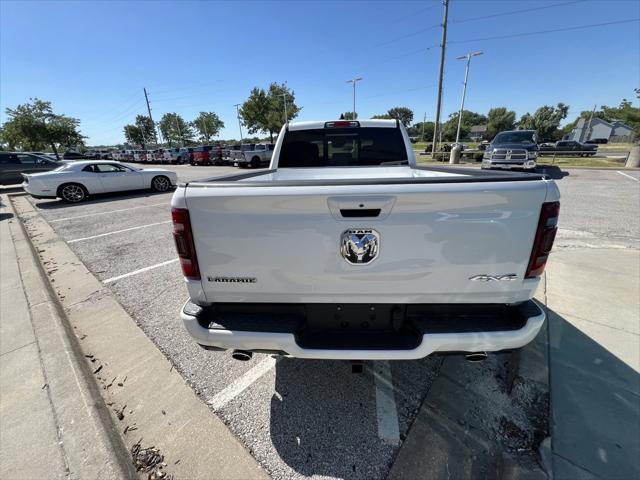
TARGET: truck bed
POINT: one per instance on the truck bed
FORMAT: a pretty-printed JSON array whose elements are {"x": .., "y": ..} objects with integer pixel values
[{"x": 396, "y": 174}]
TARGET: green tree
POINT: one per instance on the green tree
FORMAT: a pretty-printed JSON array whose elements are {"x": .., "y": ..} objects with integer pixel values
[
  {"x": 208, "y": 125},
  {"x": 417, "y": 131},
  {"x": 133, "y": 135},
  {"x": 383, "y": 116},
  {"x": 402, "y": 114},
  {"x": 264, "y": 110},
  {"x": 626, "y": 113},
  {"x": 34, "y": 126},
  {"x": 545, "y": 121},
  {"x": 499, "y": 119},
  {"x": 148, "y": 129},
  {"x": 348, "y": 116},
  {"x": 469, "y": 119},
  {"x": 174, "y": 129}
]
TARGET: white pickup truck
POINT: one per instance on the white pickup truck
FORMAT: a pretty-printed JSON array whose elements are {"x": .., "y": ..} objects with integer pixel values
[
  {"x": 346, "y": 249},
  {"x": 256, "y": 157}
]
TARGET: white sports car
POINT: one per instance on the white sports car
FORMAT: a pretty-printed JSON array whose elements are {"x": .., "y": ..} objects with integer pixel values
[{"x": 73, "y": 182}]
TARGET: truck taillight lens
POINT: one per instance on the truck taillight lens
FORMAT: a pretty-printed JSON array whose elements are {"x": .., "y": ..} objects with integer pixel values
[
  {"x": 545, "y": 235},
  {"x": 183, "y": 237},
  {"x": 341, "y": 124}
]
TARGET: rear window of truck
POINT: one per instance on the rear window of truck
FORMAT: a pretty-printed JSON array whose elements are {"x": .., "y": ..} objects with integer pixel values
[{"x": 342, "y": 147}]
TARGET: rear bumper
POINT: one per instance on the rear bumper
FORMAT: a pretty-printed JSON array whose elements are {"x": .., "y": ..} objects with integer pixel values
[
  {"x": 432, "y": 329},
  {"x": 36, "y": 192}
]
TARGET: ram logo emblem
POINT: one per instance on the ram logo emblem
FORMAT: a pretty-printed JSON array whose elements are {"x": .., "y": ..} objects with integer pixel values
[{"x": 360, "y": 246}]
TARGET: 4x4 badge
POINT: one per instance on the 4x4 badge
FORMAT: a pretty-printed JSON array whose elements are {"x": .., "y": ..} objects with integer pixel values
[{"x": 508, "y": 277}]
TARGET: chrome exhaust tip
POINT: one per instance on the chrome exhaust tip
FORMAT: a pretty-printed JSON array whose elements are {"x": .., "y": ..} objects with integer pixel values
[
  {"x": 476, "y": 356},
  {"x": 241, "y": 355}
]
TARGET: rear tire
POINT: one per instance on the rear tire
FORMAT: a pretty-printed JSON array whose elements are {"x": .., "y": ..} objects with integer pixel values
[
  {"x": 160, "y": 183},
  {"x": 72, "y": 192},
  {"x": 255, "y": 162}
]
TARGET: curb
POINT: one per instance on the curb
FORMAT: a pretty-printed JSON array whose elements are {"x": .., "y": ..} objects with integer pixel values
[
  {"x": 152, "y": 405},
  {"x": 454, "y": 434},
  {"x": 88, "y": 436}
]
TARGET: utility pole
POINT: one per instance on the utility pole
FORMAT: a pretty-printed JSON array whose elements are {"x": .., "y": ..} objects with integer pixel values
[
  {"x": 424, "y": 120},
  {"x": 589, "y": 125},
  {"x": 354, "y": 81},
  {"x": 237, "y": 105},
  {"x": 179, "y": 131},
  {"x": 442, "y": 54},
  {"x": 286, "y": 117},
  {"x": 464, "y": 89},
  {"x": 146, "y": 97}
]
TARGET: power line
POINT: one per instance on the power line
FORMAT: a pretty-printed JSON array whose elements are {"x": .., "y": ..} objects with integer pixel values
[
  {"x": 400, "y": 91},
  {"x": 191, "y": 86},
  {"x": 108, "y": 115},
  {"x": 395, "y": 57},
  {"x": 136, "y": 105},
  {"x": 406, "y": 36},
  {"x": 540, "y": 32},
  {"x": 512, "y": 12},
  {"x": 411, "y": 15},
  {"x": 201, "y": 94}
]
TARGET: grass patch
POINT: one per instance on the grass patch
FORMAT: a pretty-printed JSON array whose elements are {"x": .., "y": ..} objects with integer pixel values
[
  {"x": 615, "y": 147},
  {"x": 582, "y": 162}
]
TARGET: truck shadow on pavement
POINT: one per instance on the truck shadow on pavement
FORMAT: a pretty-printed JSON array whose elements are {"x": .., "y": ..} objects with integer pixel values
[
  {"x": 552, "y": 171},
  {"x": 595, "y": 398},
  {"x": 53, "y": 204},
  {"x": 324, "y": 419}
]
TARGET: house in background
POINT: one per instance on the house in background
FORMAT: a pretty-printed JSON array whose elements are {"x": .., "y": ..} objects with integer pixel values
[
  {"x": 477, "y": 132},
  {"x": 613, "y": 132}
]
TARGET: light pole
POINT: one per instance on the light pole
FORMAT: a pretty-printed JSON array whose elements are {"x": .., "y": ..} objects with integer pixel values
[
  {"x": 237, "y": 105},
  {"x": 354, "y": 81},
  {"x": 464, "y": 88}
]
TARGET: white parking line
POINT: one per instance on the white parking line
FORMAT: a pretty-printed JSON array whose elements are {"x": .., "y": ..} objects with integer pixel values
[
  {"x": 140, "y": 270},
  {"x": 628, "y": 176},
  {"x": 110, "y": 211},
  {"x": 223, "y": 397},
  {"x": 386, "y": 410},
  {"x": 117, "y": 231}
]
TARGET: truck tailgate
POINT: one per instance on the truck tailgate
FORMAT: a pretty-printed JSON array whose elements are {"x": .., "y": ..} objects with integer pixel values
[{"x": 282, "y": 244}]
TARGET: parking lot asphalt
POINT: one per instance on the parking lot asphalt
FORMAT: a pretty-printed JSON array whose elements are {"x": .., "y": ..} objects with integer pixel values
[{"x": 298, "y": 418}]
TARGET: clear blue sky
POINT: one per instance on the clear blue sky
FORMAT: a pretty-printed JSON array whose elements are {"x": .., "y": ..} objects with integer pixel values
[{"x": 92, "y": 59}]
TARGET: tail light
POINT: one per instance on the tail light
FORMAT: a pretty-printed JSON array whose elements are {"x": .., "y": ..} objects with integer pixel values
[
  {"x": 183, "y": 237},
  {"x": 545, "y": 235},
  {"x": 340, "y": 124}
]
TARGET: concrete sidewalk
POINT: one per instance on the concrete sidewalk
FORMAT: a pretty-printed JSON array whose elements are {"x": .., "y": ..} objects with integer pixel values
[
  {"x": 53, "y": 424},
  {"x": 593, "y": 295}
]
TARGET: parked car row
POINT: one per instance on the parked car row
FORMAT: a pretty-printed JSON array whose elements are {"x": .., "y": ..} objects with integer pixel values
[{"x": 254, "y": 155}]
